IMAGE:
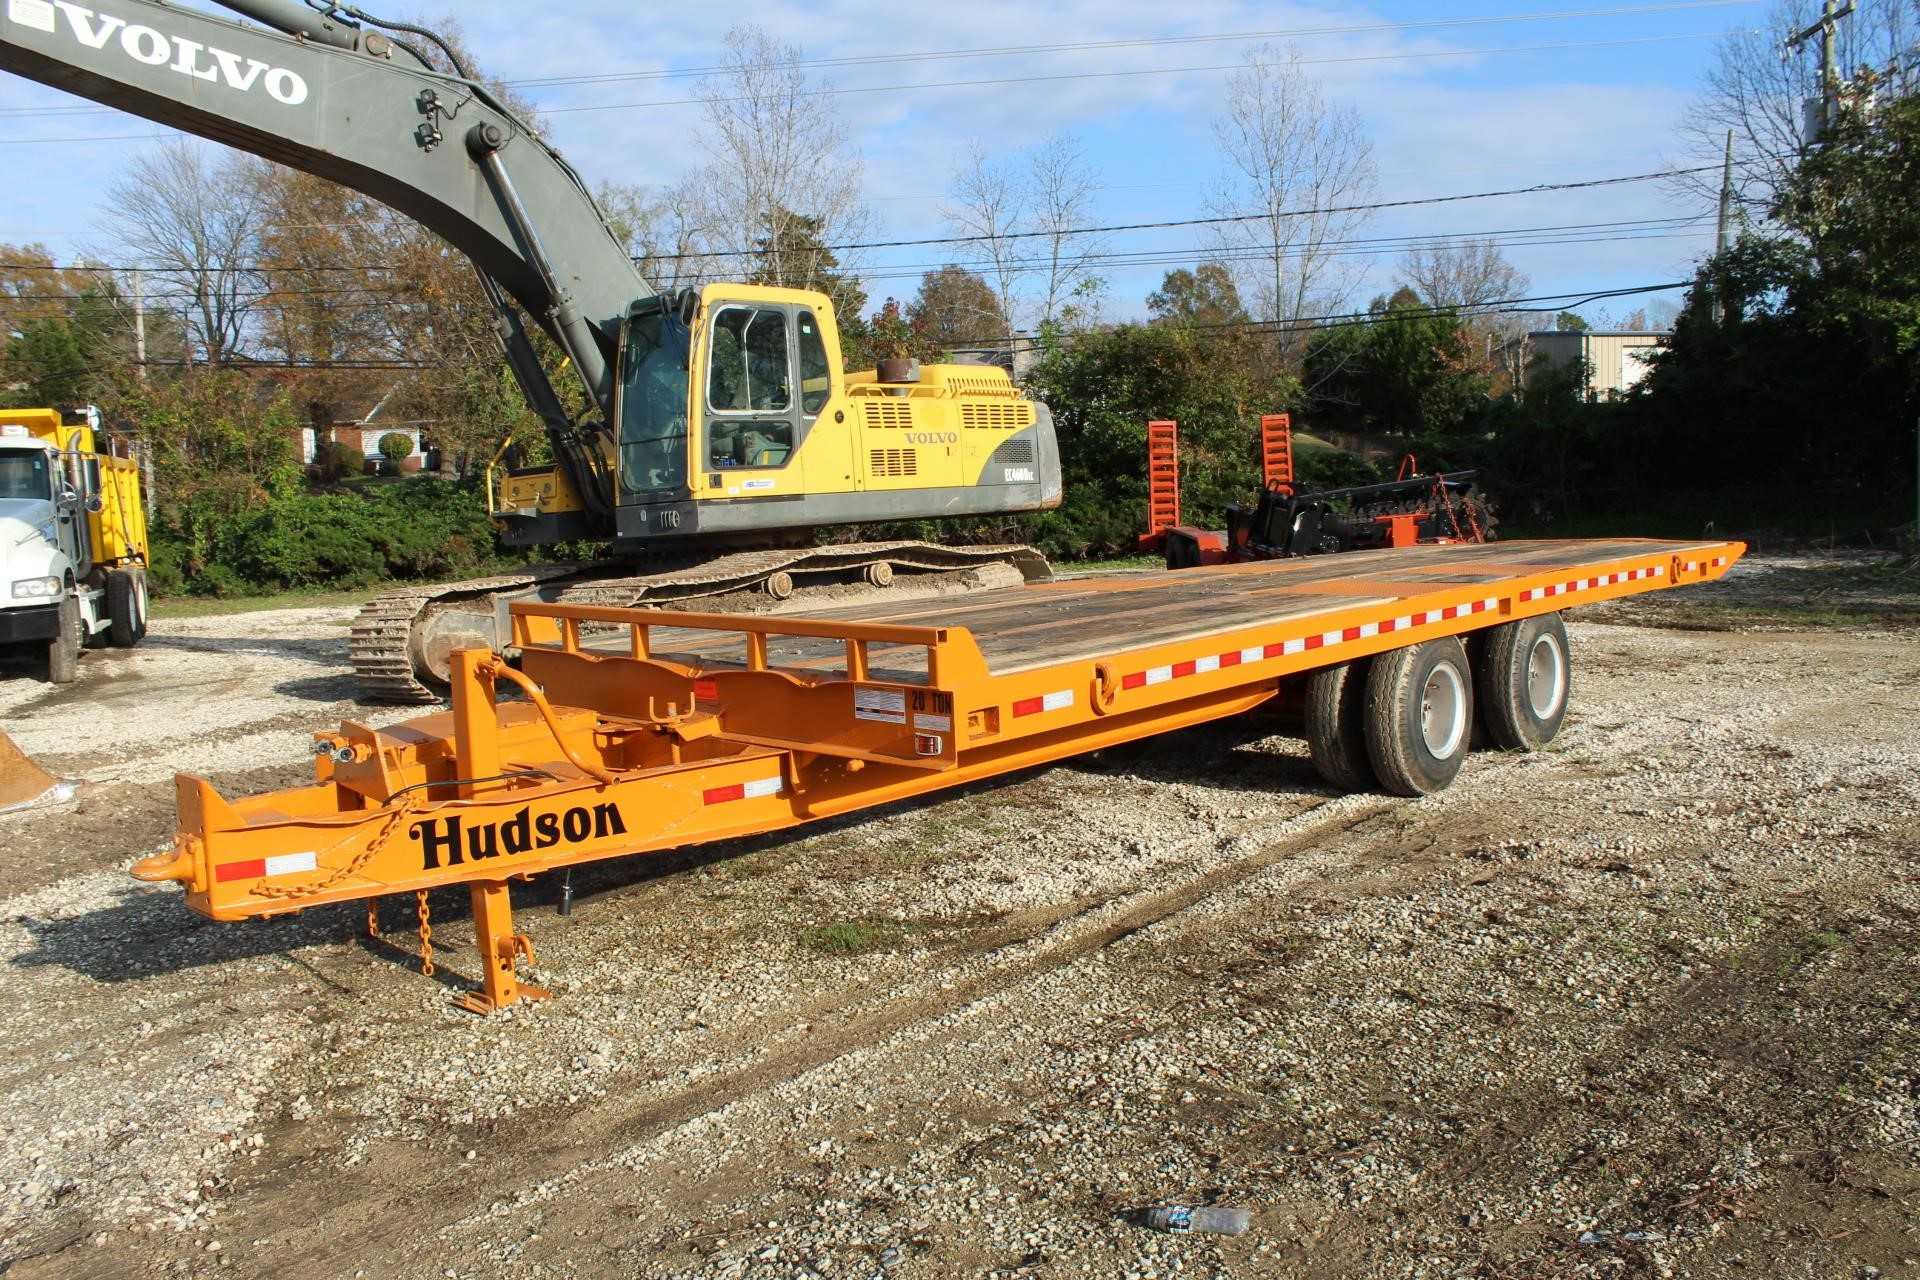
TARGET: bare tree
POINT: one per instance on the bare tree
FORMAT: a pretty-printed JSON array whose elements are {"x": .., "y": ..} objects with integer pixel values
[
  {"x": 1759, "y": 90},
  {"x": 667, "y": 230},
  {"x": 1292, "y": 159},
  {"x": 986, "y": 204},
  {"x": 1468, "y": 274},
  {"x": 784, "y": 177},
  {"x": 1061, "y": 187},
  {"x": 195, "y": 217}
]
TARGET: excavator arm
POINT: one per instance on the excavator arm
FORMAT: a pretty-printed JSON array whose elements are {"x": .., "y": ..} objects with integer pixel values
[{"x": 322, "y": 91}]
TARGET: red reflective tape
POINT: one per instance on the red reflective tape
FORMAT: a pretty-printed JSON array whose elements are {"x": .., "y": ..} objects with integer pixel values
[
  {"x": 1274, "y": 650},
  {"x": 1135, "y": 681},
  {"x": 1183, "y": 669},
  {"x": 250, "y": 870},
  {"x": 720, "y": 795},
  {"x": 1315, "y": 641},
  {"x": 1033, "y": 706},
  {"x": 1230, "y": 659},
  {"x": 1351, "y": 633},
  {"x": 706, "y": 690}
]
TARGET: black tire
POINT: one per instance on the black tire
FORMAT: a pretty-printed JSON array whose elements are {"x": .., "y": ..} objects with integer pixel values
[
  {"x": 1419, "y": 716},
  {"x": 1336, "y": 726},
  {"x": 125, "y": 617},
  {"x": 1523, "y": 681},
  {"x": 63, "y": 651}
]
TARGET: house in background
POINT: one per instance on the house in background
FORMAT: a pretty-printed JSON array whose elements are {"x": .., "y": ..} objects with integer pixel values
[
  {"x": 1616, "y": 359},
  {"x": 362, "y": 427}
]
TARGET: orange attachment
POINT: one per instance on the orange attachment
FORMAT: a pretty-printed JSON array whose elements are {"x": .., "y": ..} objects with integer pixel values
[
  {"x": 647, "y": 730},
  {"x": 1276, "y": 452},
  {"x": 1163, "y": 481}
]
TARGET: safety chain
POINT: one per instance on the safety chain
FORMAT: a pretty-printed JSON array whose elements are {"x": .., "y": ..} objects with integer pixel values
[
  {"x": 373, "y": 916},
  {"x": 426, "y": 933},
  {"x": 395, "y": 820}
]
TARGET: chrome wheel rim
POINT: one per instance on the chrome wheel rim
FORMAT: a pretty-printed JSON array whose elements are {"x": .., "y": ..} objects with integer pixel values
[
  {"x": 1546, "y": 677},
  {"x": 1443, "y": 711}
]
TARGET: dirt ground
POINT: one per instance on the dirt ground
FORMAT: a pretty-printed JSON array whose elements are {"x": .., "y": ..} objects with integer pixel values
[{"x": 1644, "y": 1004}]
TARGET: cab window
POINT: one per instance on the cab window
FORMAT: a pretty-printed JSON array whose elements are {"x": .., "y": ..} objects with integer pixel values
[
  {"x": 750, "y": 371},
  {"x": 816, "y": 381},
  {"x": 24, "y": 474},
  {"x": 749, "y": 390}
]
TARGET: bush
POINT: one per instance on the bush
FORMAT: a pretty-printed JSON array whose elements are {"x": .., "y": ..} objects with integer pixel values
[
  {"x": 396, "y": 445},
  {"x": 336, "y": 460}
]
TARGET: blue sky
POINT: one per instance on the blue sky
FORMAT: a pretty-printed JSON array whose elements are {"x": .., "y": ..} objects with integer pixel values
[{"x": 1605, "y": 105}]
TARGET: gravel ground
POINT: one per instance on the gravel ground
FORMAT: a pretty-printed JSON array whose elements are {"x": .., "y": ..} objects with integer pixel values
[{"x": 1638, "y": 1005}]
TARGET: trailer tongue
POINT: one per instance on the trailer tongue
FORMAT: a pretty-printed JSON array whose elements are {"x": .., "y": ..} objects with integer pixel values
[{"x": 644, "y": 730}]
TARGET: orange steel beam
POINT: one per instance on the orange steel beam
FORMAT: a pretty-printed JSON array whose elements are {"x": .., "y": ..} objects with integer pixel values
[{"x": 643, "y": 754}]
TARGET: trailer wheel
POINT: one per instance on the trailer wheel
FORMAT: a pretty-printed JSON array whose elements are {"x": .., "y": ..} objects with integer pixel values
[
  {"x": 63, "y": 651},
  {"x": 126, "y": 610},
  {"x": 1524, "y": 678},
  {"x": 1419, "y": 716},
  {"x": 1337, "y": 728}
]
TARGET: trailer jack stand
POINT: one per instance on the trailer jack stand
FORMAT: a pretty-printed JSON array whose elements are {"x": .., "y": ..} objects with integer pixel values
[{"x": 500, "y": 952}]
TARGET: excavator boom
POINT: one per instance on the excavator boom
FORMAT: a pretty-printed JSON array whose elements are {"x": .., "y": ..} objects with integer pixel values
[{"x": 345, "y": 102}]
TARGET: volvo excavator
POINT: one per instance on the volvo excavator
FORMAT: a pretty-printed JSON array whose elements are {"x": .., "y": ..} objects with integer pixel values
[{"x": 720, "y": 432}]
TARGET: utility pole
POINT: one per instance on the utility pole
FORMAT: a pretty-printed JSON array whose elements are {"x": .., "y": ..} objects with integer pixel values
[
  {"x": 1826, "y": 29},
  {"x": 140, "y": 325},
  {"x": 1720, "y": 236}
]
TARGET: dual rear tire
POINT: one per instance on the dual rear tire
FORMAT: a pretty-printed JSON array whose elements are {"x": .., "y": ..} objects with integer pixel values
[{"x": 1403, "y": 721}]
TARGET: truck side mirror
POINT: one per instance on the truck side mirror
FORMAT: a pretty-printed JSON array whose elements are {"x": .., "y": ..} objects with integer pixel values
[{"x": 69, "y": 498}]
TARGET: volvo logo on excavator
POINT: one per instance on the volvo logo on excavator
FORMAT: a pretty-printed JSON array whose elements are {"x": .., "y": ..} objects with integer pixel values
[{"x": 176, "y": 53}]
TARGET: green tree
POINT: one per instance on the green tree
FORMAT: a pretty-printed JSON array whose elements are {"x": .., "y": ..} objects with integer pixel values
[
  {"x": 1205, "y": 297},
  {"x": 957, "y": 308},
  {"x": 1409, "y": 371},
  {"x": 792, "y": 252},
  {"x": 1570, "y": 322}
]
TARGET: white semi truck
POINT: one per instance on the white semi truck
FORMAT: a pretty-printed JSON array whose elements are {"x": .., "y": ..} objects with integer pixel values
[{"x": 73, "y": 539}]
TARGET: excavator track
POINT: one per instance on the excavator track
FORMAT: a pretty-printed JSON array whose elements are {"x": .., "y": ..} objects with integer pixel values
[{"x": 386, "y": 658}]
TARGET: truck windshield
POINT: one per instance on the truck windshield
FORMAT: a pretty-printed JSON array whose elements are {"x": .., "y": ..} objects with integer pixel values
[
  {"x": 653, "y": 405},
  {"x": 24, "y": 474}
]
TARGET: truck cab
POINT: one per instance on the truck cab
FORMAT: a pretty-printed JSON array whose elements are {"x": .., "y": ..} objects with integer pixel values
[{"x": 73, "y": 540}]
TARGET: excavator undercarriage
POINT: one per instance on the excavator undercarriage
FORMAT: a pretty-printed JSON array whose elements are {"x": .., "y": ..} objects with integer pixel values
[{"x": 403, "y": 641}]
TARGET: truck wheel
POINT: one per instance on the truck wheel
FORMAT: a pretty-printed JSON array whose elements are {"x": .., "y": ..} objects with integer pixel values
[
  {"x": 1419, "y": 716},
  {"x": 63, "y": 651},
  {"x": 1523, "y": 679},
  {"x": 126, "y": 611},
  {"x": 1336, "y": 726}
]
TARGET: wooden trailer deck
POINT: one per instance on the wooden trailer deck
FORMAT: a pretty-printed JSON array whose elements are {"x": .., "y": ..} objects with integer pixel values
[{"x": 1036, "y": 625}]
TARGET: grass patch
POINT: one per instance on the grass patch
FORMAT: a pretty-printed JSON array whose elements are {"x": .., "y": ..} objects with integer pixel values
[
  {"x": 851, "y": 937},
  {"x": 220, "y": 606},
  {"x": 1121, "y": 564}
]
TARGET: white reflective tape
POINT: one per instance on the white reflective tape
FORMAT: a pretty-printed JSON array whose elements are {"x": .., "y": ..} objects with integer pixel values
[
  {"x": 1293, "y": 646},
  {"x": 1205, "y": 664},
  {"x": 1658, "y": 571},
  {"x": 1402, "y": 623},
  {"x": 1369, "y": 629},
  {"x": 1159, "y": 675},
  {"x": 1490, "y": 604},
  {"x": 1055, "y": 701},
  {"x": 281, "y": 864},
  {"x": 761, "y": 787},
  {"x": 1330, "y": 637},
  {"x": 1254, "y": 654}
]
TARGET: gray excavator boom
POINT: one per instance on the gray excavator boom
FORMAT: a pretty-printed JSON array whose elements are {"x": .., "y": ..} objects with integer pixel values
[{"x": 347, "y": 103}]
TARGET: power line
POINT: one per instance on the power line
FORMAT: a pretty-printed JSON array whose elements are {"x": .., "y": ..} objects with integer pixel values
[
  {"x": 1222, "y": 220},
  {"x": 1511, "y": 237}
]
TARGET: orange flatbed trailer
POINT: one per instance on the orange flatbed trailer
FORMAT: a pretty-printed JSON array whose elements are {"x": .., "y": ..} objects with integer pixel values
[{"x": 672, "y": 729}]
